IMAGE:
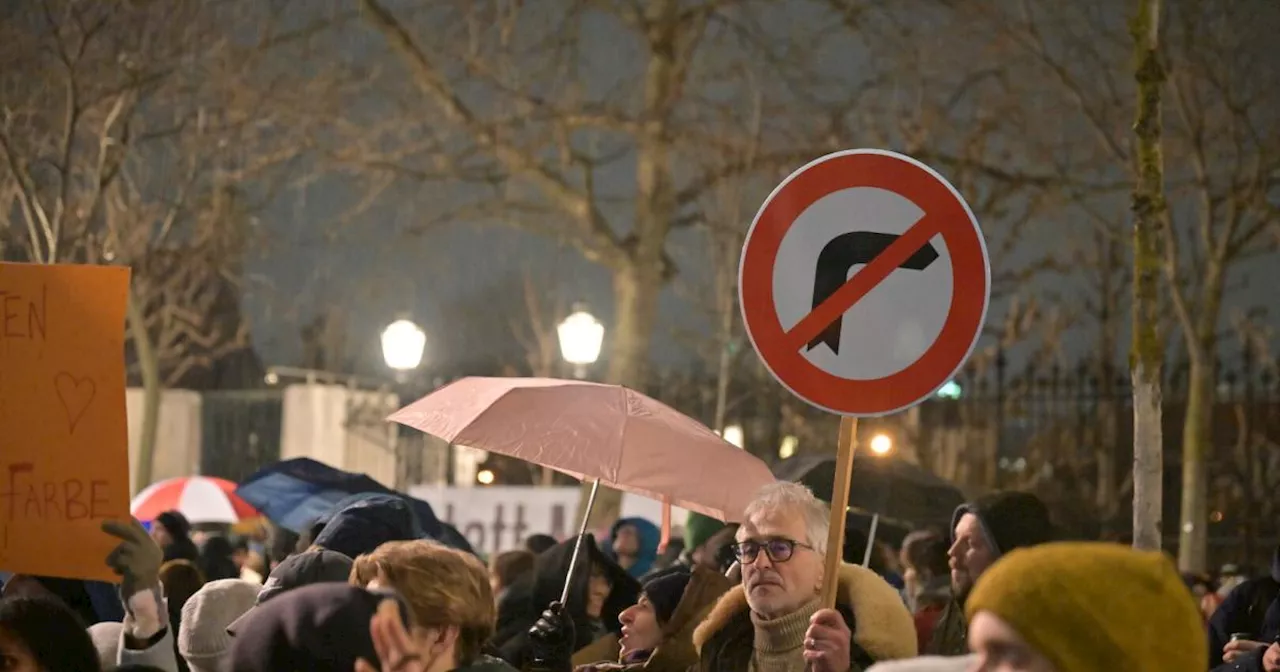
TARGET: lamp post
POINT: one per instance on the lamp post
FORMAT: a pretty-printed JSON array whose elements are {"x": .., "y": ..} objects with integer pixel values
[
  {"x": 581, "y": 336},
  {"x": 403, "y": 343}
]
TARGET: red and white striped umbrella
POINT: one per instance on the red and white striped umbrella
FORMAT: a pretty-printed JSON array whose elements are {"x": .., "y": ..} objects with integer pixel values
[{"x": 200, "y": 498}]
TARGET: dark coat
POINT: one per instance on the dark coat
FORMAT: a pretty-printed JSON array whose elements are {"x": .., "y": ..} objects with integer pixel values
[
  {"x": 526, "y": 600},
  {"x": 881, "y": 626},
  {"x": 1253, "y": 607},
  {"x": 950, "y": 633}
]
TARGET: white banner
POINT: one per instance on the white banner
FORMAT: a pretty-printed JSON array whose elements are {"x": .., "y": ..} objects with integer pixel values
[{"x": 499, "y": 518}]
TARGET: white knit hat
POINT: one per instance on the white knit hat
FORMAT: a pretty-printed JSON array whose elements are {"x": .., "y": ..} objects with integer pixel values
[
  {"x": 106, "y": 639},
  {"x": 202, "y": 639}
]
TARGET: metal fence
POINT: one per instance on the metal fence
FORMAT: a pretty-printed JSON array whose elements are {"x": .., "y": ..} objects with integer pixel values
[
  {"x": 1067, "y": 433},
  {"x": 240, "y": 431}
]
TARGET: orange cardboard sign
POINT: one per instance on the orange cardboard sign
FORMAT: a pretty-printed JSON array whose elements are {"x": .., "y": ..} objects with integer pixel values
[{"x": 64, "y": 446}]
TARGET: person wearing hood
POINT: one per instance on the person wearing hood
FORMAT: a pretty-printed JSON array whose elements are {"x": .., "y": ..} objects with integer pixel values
[
  {"x": 983, "y": 531},
  {"x": 1252, "y": 609},
  {"x": 774, "y": 621},
  {"x": 633, "y": 545},
  {"x": 599, "y": 591},
  {"x": 172, "y": 533},
  {"x": 366, "y": 523},
  {"x": 1124, "y": 610},
  {"x": 657, "y": 631}
]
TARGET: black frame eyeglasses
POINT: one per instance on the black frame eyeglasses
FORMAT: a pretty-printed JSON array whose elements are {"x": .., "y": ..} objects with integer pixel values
[{"x": 778, "y": 549}]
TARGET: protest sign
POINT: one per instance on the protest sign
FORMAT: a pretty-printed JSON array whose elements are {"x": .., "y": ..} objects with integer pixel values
[{"x": 64, "y": 460}]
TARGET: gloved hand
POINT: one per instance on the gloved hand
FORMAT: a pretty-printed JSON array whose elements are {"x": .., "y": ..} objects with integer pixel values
[
  {"x": 551, "y": 640},
  {"x": 136, "y": 560}
]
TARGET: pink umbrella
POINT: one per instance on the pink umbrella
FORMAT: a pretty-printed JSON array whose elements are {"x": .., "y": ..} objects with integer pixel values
[
  {"x": 593, "y": 432},
  {"x": 602, "y": 433},
  {"x": 200, "y": 498}
]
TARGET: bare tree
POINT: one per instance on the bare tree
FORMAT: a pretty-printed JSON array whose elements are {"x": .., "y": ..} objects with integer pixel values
[
  {"x": 123, "y": 129},
  {"x": 1217, "y": 128}
]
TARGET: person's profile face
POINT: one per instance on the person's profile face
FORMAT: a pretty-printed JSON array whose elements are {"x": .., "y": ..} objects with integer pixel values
[
  {"x": 999, "y": 648},
  {"x": 970, "y": 555},
  {"x": 640, "y": 629}
]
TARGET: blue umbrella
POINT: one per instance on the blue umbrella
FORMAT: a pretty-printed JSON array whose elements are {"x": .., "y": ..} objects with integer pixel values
[{"x": 295, "y": 493}]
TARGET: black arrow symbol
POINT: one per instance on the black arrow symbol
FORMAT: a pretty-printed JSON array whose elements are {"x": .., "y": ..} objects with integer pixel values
[{"x": 843, "y": 253}]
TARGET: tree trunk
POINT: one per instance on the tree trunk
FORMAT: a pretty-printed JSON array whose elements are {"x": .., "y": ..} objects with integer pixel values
[
  {"x": 1193, "y": 534},
  {"x": 635, "y": 300},
  {"x": 151, "y": 393},
  {"x": 1146, "y": 357}
]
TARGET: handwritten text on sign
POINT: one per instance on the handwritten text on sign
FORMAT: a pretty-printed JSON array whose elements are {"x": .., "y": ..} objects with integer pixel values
[{"x": 64, "y": 461}]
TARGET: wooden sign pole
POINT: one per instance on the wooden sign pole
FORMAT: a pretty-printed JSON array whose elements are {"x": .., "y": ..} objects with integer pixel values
[{"x": 839, "y": 506}]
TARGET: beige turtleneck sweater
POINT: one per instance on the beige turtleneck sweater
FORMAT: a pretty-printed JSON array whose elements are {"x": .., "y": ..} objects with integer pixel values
[{"x": 779, "y": 642}]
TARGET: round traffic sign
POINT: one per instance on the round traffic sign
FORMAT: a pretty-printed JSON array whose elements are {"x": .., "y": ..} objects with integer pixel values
[{"x": 864, "y": 282}]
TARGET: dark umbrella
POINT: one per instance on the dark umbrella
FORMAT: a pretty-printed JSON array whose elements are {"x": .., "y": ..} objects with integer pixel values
[
  {"x": 295, "y": 493},
  {"x": 897, "y": 491}
]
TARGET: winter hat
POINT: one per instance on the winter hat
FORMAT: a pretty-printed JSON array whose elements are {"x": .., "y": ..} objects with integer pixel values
[
  {"x": 303, "y": 569},
  {"x": 319, "y": 628},
  {"x": 106, "y": 639},
  {"x": 368, "y": 523},
  {"x": 1090, "y": 606},
  {"x": 665, "y": 592},
  {"x": 203, "y": 640},
  {"x": 1009, "y": 519},
  {"x": 699, "y": 528},
  {"x": 175, "y": 524}
]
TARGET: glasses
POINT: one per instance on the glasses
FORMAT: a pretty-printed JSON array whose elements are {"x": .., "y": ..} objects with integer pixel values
[{"x": 778, "y": 550}]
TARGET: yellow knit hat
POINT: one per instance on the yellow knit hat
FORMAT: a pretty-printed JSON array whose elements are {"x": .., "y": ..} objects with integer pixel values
[{"x": 1091, "y": 607}]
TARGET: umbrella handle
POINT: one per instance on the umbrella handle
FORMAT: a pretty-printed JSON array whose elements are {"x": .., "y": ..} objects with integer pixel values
[
  {"x": 577, "y": 545},
  {"x": 871, "y": 540}
]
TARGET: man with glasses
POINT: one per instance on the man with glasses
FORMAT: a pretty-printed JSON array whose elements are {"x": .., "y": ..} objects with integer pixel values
[{"x": 772, "y": 621}]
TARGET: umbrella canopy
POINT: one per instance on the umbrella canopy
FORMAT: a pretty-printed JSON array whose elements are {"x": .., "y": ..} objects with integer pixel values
[
  {"x": 893, "y": 488},
  {"x": 590, "y": 431},
  {"x": 296, "y": 493},
  {"x": 200, "y": 498}
]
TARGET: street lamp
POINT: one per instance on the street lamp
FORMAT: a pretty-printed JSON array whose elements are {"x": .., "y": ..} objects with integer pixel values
[
  {"x": 581, "y": 336},
  {"x": 402, "y": 345},
  {"x": 881, "y": 444}
]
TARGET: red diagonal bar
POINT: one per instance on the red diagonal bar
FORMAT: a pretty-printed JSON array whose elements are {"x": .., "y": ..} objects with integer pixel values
[{"x": 862, "y": 282}]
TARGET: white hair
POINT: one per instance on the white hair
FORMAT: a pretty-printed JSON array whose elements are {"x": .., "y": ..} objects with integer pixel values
[{"x": 788, "y": 497}]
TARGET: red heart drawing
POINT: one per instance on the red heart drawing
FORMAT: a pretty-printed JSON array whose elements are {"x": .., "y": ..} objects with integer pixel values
[{"x": 76, "y": 395}]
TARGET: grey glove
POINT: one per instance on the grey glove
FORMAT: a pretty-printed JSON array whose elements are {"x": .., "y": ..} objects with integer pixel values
[{"x": 136, "y": 560}]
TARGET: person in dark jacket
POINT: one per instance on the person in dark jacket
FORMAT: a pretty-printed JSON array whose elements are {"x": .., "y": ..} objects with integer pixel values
[
  {"x": 172, "y": 533},
  {"x": 322, "y": 628},
  {"x": 215, "y": 559},
  {"x": 982, "y": 532},
  {"x": 1252, "y": 610},
  {"x": 592, "y": 607}
]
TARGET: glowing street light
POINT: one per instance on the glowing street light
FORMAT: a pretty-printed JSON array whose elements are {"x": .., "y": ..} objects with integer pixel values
[
  {"x": 403, "y": 343},
  {"x": 581, "y": 336},
  {"x": 485, "y": 477},
  {"x": 881, "y": 444}
]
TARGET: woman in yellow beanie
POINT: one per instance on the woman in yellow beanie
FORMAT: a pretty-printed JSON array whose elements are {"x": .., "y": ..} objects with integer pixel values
[{"x": 1085, "y": 607}]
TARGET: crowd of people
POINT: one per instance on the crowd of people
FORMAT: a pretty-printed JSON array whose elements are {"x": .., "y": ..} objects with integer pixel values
[{"x": 362, "y": 590}]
